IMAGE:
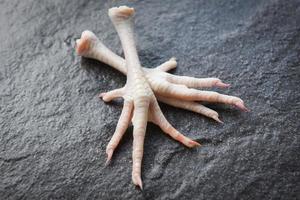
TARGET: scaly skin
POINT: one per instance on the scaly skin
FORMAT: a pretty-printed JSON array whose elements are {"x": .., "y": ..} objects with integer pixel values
[
  {"x": 91, "y": 47},
  {"x": 140, "y": 104},
  {"x": 139, "y": 100}
]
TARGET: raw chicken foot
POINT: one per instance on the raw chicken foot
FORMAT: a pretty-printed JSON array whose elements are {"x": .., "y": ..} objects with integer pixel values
[{"x": 140, "y": 104}]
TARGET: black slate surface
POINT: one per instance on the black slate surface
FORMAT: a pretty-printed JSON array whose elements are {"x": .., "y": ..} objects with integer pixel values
[{"x": 54, "y": 129}]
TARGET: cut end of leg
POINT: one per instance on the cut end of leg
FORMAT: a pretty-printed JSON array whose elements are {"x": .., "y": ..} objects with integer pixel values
[
  {"x": 83, "y": 44},
  {"x": 137, "y": 181},
  {"x": 121, "y": 12},
  {"x": 241, "y": 106}
]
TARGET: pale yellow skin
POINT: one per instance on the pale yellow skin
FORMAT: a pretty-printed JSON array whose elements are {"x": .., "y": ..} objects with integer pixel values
[{"x": 140, "y": 104}]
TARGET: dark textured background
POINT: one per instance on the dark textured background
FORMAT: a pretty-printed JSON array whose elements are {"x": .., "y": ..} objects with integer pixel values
[{"x": 54, "y": 129}]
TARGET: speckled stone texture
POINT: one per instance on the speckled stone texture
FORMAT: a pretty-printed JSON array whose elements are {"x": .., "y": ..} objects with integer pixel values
[{"x": 54, "y": 129}]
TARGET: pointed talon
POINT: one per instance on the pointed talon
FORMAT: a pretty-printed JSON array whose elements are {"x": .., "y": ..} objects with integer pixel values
[
  {"x": 107, "y": 162},
  {"x": 185, "y": 140},
  {"x": 216, "y": 118},
  {"x": 194, "y": 144},
  {"x": 109, "y": 156},
  {"x": 220, "y": 84},
  {"x": 192, "y": 82},
  {"x": 241, "y": 106},
  {"x": 137, "y": 181}
]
